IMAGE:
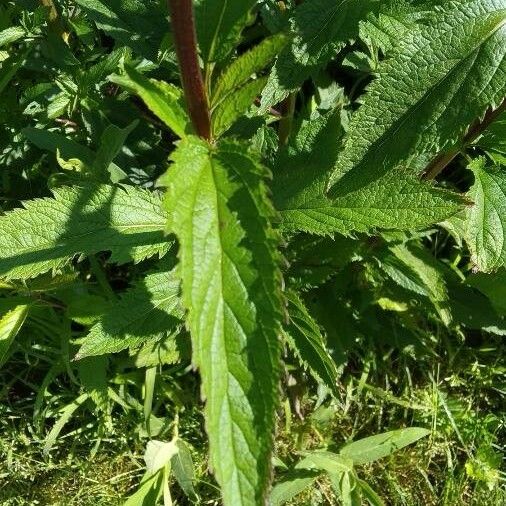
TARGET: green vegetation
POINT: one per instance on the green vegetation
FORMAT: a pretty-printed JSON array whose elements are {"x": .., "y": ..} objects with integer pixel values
[{"x": 252, "y": 252}]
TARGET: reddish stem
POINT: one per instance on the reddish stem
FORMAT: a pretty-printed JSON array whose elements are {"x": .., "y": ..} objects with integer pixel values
[{"x": 185, "y": 40}]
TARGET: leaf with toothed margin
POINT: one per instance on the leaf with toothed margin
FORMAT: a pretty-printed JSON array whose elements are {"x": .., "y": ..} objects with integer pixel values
[
  {"x": 151, "y": 310},
  {"x": 220, "y": 212},
  {"x": 396, "y": 201},
  {"x": 443, "y": 76},
  {"x": 47, "y": 233}
]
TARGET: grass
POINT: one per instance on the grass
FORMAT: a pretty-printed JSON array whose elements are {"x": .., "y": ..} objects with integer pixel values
[{"x": 456, "y": 390}]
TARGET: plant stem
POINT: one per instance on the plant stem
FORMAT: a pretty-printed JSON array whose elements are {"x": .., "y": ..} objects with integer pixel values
[
  {"x": 443, "y": 159},
  {"x": 285, "y": 123},
  {"x": 185, "y": 40}
]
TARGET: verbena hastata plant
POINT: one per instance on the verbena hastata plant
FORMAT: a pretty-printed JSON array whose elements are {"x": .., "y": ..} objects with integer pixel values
[{"x": 281, "y": 183}]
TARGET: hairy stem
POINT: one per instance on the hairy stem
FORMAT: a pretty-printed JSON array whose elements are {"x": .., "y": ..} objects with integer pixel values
[
  {"x": 185, "y": 40},
  {"x": 477, "y": 128}
]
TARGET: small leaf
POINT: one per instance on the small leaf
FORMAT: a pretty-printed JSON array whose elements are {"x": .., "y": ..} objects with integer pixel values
[
  {"x": 485, "y": 227},
  {"x": 11, "y": 322},
  {"x": 159, "y": 454},
  {"x": 236, "y": 104},
  {"x": 292, "y": 486},
  {"x": 308, "y": 344},
  {"x": 163, "y": 99},
  {"x": 148, "y": 312},
  {"x": 246, "y": 65},
  {"x": 11, "y": 34},
  {"x": 379, "y": 446},
  {"x": 219, "y": 26},
  {"x": 184, "y": 470}
]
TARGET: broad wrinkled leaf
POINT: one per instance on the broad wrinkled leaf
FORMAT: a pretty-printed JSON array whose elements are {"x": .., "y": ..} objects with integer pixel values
[
  {"x": 219, "y": 210},
  {"x": 47, "y": 233},
  {"x": 379, "y": 446},
  {"x": 148, "y": 312},
  {"x": 396, "y": 201},
  {"x": 163, "y": 99},
  {"x": 307, "y": 342},
  {"x": 485, "y": 222},
  {"x": 219, "y": 26},
  {"x": 438, "y": 80}
]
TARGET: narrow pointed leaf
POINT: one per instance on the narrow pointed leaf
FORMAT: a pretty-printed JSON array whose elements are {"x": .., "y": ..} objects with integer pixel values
[
  {"x": 11, "y": 322},
  {"x": 163, "y": 99},
  {"x": 219, "y": 210}
]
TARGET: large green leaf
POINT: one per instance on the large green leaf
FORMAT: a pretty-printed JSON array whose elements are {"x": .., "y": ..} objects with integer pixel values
[
  {"x": 148, "y": 312},
  {"x": 485, "y": 222},
  {"x": 219, "y": 210},
  {"x": 49, "y": 232},
  {"x": 219, "y": 26},
  {"x": 438, "y": 80},
  {"x": 398, "y": 200}
]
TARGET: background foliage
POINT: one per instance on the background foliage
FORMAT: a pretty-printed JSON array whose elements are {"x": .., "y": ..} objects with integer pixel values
[{"x": 118, "y": 277}]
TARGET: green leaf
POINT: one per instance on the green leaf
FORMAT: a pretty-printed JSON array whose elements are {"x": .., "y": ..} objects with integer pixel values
[
  {"x": 150, "y": 311},
  {"x": 159, "y": 454},
  {"x": 321, "y": 28},
  {"x": 485, "y": 226},
  {"x": 493, "y": 286},
  {"x": 49, "y": 232},
  {"x": 329, "y": 462},
  {"x": 11, "y": 322},
  {"x": 11, "y": 34},
  {"x": 219, "y": 26},
  {"x": 438, "y": 80},
  {"x": 235, "y": 105},
  {"x": 426, "y": 273},
  {"x": 184, "y": 470},
  {"x": 292, "y": 486},
  {"x": 10, "y": 66},
  {"x": 396, "y": 201},
  {"x": 139, "y": 24},
  {"x": 493, "y": 139},
  {"x": 163, "y": 99},
  {"x": 246, "y": 65},
  {"x": 219, "y": 210},
  {"x": 307, "y": 342},
  {"x": 379, "y": 446},
  {"x": 111, "y": 143}
]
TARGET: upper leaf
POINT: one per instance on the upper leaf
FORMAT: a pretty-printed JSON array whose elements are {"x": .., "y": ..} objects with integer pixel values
[
  {"x": 48, "y": 232},
  {"x": 439, "y": 79},
  {"x": 321, "y": 28},
  {"x": 219, "y": 209},
  {"x": 219, "y": 26}
]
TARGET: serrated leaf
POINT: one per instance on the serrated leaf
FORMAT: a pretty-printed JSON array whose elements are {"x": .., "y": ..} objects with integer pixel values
[
  {"x": 439, "y": 79},
  {"x": 219, "y": 210},
  {"x": 379, "y": 446},
  {"x": 163, "y": 99},
  {"x": 47, "y": 233},
  {"x": 150, "y": 311},
  {"x": 485, "y": 222},
  {"x": 11, "y": 322},
  {"x": 321, "y": 28},
  {"x": 219, "y": 26},
  {"x": 396, "y": 201},
  {"x": 236, "y": 104},
  {"x": 184, "y": 470},
  {"x": 307, "y": 342},
  {"x": 246, "y": 65}
]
